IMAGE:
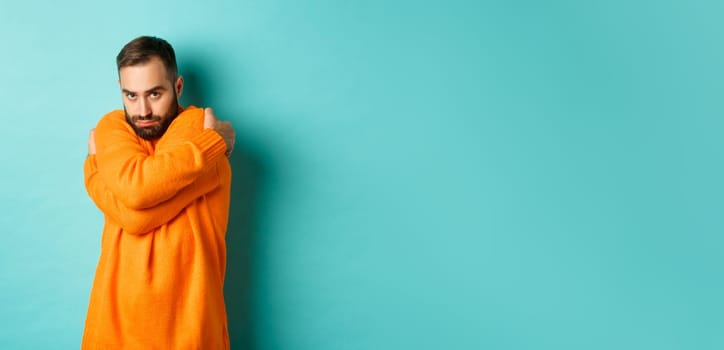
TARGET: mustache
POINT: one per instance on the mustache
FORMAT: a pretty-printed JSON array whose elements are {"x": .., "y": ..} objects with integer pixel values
[{"x": 152, "y": 117}]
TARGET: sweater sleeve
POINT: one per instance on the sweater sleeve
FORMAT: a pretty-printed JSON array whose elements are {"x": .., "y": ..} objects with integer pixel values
[
  {"x": 140, "y": 221},
  {"x": 139, "y": 180}
]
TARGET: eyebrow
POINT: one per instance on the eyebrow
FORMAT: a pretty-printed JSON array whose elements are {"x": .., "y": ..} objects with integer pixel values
[{"x": 155, "y": 88}]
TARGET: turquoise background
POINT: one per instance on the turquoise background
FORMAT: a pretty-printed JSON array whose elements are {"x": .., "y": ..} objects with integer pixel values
[{"x": 408, "y": 174}]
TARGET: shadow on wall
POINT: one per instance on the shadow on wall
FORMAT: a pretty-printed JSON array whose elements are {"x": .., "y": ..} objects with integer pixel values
[{"x": 247, "y": 174}]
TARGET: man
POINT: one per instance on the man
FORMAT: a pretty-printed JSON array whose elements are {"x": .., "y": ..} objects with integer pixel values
[{"x": 161, "y": 177}]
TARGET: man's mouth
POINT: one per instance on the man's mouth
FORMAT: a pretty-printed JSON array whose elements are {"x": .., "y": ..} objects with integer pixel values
[{"x": 145, "y": 123}]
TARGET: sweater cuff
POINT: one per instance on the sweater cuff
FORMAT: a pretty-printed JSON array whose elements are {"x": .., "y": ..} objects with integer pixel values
[{"x": 210, "y": 143}]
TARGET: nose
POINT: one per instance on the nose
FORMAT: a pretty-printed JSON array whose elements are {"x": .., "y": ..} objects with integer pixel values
[{"x": 144, "y": 107}]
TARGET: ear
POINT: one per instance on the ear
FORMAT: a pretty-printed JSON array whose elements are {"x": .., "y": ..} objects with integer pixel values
[{"x": 179, "y": 85}]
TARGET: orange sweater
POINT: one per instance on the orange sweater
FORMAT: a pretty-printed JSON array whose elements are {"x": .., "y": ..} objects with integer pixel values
[{"x": 159, "y": 281}]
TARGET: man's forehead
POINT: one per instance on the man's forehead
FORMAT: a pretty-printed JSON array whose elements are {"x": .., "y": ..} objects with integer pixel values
[{"x": 144, "y": 76}]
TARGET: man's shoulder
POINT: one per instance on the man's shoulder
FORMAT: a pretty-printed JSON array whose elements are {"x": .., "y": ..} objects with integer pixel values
[
  {"x": 192, "y": 112},
  {"x": 191, "y": 116},
  {"x": 113, "y": 119},
  {"x": 115, "y": 115}
]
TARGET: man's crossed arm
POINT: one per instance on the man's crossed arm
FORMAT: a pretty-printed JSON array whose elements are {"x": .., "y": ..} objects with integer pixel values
[{"x": 161, "y": 186}]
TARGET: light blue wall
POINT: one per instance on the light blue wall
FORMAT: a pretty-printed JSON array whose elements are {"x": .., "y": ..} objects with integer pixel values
[{"x": 408, "y": 175}]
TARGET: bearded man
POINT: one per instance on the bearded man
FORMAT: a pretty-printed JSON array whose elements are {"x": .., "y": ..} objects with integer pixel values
[{"x": 161, "y": 176}]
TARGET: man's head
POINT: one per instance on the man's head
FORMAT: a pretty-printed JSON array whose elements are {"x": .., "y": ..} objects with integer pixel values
[{"x": 150, "y": 85}]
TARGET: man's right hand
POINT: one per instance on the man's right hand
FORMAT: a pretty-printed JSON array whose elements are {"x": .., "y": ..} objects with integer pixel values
[
  {"x": 92, "y": 142},
  {"x": 223, "y": 128}
]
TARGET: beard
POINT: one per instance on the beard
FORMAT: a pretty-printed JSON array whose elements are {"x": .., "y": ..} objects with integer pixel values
[{"x": 162, "y": 122}]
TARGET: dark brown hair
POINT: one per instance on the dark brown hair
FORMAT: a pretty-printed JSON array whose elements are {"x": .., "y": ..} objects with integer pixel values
[{"x": 140, "y": 50}]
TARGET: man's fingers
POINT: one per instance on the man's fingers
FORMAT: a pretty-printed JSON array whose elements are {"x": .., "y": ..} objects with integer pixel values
[
  {"x": 92, "y": 142},
  {"x": 209, "y": 118},
  {"x": 224, "y": 129}
]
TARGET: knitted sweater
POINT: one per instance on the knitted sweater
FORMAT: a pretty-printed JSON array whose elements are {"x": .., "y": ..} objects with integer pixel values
[{"x": 159, "y": 280}]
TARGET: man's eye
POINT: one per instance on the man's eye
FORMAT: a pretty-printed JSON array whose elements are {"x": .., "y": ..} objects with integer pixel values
[
  {"x": 131, "y": 96},
  {"x": 155, "y": 94}
]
